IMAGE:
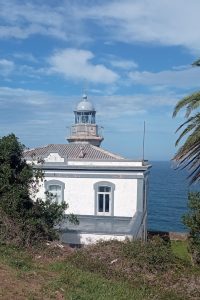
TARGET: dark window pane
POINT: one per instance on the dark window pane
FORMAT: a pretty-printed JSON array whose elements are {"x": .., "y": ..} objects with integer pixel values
[
  {"x": 104, "y": 189},
  {"x": 54, "y": 187},
  {"x": 100, "y": 203},
  {"x": 56, "y": 192},
  {"x": 107, "y": 203}
]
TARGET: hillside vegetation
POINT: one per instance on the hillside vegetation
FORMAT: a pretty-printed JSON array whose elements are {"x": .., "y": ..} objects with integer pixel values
[
  {"x": 32, "y": 266},
  {"x": 107, "y": 270}
]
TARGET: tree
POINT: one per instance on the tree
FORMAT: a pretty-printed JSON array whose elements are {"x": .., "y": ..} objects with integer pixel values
[
  {"x": 188, "y": 155},
  {"x": 24, "y": 221},
  {"x": 192, "y": 221}
]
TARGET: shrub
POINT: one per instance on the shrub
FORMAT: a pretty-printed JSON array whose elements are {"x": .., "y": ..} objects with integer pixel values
[
  {"x": 192, "y": 221},
  {"x": 128, "y": 259},
  {"x": 24, "y": 221},
  {"x": 154, "y": 255}
]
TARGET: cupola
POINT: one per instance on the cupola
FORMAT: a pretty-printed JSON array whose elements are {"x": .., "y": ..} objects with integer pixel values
[{"x": 85, "y": 129}]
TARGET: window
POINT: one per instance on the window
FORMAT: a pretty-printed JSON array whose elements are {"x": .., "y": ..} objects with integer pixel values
[
  {"x": 84, "y": 119},
  {"x": 104, "y": 198},
  {"x": 56, "y": 188},
  {"x": 56, "y": 191}
]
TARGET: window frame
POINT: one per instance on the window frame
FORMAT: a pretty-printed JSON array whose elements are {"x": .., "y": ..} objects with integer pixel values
[
  {"x": 111, "y": 185},
  {"x": 48, "y": 183}
]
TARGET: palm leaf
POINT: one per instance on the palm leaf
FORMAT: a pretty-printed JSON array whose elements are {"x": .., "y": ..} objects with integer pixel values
[
  {"x": 190, "y": 127},
  {"x": 191, "y": 119},
  {"x": 190, "y": 144},
  {"x": 193, "y": 124},
  {"x": 196, "y": 63},
  {"x": 190, "y": 102},
  {"x": 189, "y": 153}
]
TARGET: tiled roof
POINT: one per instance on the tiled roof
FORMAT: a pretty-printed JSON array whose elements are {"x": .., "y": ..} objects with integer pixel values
[{"x": 72, "y": 151}]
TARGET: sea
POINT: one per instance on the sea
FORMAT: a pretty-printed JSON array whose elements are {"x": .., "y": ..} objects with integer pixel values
[{"x": 168, "y": 190}]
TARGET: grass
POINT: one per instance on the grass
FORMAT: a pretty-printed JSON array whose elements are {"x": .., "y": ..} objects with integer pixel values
[
  {"x": 15, "y": 258},
  {"x": 109, "y": 270},
  {"x": 78, "y": 284},
  {"x": 180, "y": 249}
]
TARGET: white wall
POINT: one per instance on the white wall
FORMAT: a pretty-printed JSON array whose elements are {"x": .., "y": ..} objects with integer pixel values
[
  {"x": 86, "y": 239},
  {"x": 123, "y": 163},
  {"x": 79, "y": 193}
]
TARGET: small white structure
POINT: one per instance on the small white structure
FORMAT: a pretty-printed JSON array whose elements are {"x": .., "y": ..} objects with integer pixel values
[{"x": 107, "y": 192}]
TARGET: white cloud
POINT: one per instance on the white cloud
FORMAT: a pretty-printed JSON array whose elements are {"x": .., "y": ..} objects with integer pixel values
[
  {"x": 162, "y": 22},
  {"x": 6, "y": 67},
  {"x": 116, "y": 106},
  {"x": 47, "y": 105},
  {"x": 21, "y": 97},
  {"x": 21, "y": 20},
  {"x": 173, "y": 23},
  {"x": 25, "y": 56},
  {"x": 123, "y": 64},
  {"x": 39, "y": 118},
  {"x": 186, "y": 78},
  {"x": 77, "y": 64},
  {"x": 21, "y": 33}
]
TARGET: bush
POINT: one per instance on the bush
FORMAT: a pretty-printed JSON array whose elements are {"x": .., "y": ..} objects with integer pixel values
[
  {"x": 24, "y": 221},
  {"x": 192, "y": 221},
  {"x": 154, "y": 255},
  {"x": 127, "y": 259}
]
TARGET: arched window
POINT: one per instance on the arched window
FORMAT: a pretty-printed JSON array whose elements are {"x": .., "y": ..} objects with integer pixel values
[
  {"x": 56, "y": 189},
  {"x": 104, "y": 198}
]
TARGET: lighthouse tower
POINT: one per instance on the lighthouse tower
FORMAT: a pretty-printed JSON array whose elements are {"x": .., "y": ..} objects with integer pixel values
[{"x": 85, "y": 129}]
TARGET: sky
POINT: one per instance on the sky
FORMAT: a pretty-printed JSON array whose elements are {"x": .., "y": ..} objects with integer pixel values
[{"x": 133, "y": 58}]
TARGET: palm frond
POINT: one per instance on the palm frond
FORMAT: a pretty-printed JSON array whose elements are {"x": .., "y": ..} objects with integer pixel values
[
  {"x": 191, "y": 119},
  {"x": 196, "y": 63},
  {"x": 193, "y": 124},
  {"x": 190, "y": 102},
  {"x": 195, "y": 174},
  {"x": 188, "y": 155},
  {"x": 183, "y": 157},
  {"x": 191, "y": 162},
  {"x": 184, "y": 132},
  {"x": 191, "y": 142}
]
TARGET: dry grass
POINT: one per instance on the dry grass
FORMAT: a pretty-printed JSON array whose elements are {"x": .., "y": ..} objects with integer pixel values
[{"x": 110, "y": 270}]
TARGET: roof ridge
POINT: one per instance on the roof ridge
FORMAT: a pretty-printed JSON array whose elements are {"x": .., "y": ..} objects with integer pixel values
[
  {"x": 72, "y": 151},
  {"x": 36, "y": 148},
  {"x": 108, "y": 152}
]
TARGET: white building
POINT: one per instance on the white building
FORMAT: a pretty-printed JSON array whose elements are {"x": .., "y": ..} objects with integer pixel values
[{"x": 107, "y": 192}]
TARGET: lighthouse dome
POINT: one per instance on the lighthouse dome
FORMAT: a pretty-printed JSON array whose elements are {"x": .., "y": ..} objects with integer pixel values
[{"x": 85, "y": 105}]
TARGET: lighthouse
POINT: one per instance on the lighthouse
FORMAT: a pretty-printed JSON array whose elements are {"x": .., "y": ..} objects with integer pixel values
[{"x": 85, "y": 130}]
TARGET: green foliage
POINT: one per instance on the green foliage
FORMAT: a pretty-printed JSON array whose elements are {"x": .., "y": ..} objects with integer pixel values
[
  {"x": 24, "y": 221},
  {"x": 188, "y": 154},
  {"x": 145, "y": 265},
  {"x": 153, "y": 256},
  {"x": 15, "y": 177},
  {"x": 58, "y": 277},
  {"x": 191, "y": 102},
  {"x": 192, "y": 221},
  {"x": 83, "y": 285},
  {"x": 180, "y": 250}
]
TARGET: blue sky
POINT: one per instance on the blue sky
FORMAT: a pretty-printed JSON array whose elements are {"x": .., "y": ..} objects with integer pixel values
[{"x": 134, "y": 57}]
